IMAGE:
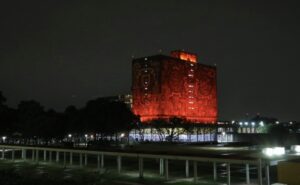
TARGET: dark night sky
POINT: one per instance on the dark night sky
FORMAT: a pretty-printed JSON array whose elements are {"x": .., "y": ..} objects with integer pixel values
[{"x": 68, "y": 52}]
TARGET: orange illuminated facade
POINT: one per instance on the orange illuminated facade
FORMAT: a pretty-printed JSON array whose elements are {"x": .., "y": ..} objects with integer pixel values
[{"x": 174, "y": 86}]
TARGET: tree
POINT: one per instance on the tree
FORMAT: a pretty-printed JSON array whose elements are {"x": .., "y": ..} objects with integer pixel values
[
  {"x": 30, "y": 118},
  {"x": 106, "y": 117},
  {"x": 2, "y": 99},
  {"x": 7, "y": 117}
]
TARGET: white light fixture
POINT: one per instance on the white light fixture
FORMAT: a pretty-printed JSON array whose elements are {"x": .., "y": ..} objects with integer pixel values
[
  {"x": 253, "y": 124},
  {"x": 246, "y": 123},
  {"x": 261, "y": 123},
  {"x": 274, "y": 151},
  {"x": 241, "y": 123},
  {"x": 295, "y": 148},
  {"x": 277, "y": 122},
  {"x": 69, "y": 135}
]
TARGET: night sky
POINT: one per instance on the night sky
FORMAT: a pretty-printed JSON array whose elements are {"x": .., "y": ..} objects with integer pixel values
[{"x": 62, "y": 52}]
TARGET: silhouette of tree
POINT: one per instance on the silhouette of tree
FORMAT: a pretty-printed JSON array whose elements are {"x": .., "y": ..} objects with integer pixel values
[
  {"x": 106, "y": 117},
  {"x": 30, "y": 118},
  {"x": 7, "y": 117},
  {"x": 2, "y": 99}
]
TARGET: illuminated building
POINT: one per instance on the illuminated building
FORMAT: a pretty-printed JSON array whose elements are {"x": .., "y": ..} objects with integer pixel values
[{"x": 174, "y": 86}]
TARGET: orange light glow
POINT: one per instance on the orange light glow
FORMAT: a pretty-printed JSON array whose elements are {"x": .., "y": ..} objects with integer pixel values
[
  {"x": 172, "y": 88},
  {"x": 184, "y": 56}
]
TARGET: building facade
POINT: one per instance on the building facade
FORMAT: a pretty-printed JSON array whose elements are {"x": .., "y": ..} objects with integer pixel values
[{"x": 174, "y": 86}]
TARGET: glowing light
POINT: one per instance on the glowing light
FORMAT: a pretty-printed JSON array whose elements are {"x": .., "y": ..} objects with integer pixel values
[
  {"x": 69, "y": 135},
  {"x": 184, "y": 56},
  {"x": 240, "y": 123},
  {"x": 253, "y": 124},
  {"x": 168, "y": 85},
  {"x": 261, "y": 123},
  {"x": 246, "y": 123},
  {"x": 279, "y": 151},
  {"x": 232, "y": 121},
  {"x": 275, "y": 151},
  {"x": 85, "y": 135},
  {"x": 4, "y": 138},
  {"x": 122, "y": 135},
  {"x": 277, "y": 122},
  {"x": 268, "y": 151},
  {"x": 295, "y": 148}
]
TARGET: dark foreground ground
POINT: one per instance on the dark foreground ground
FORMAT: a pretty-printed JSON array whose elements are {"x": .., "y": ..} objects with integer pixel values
[
  {"x": 26, "y": 173},
  {"x": 30, "y": 172}
]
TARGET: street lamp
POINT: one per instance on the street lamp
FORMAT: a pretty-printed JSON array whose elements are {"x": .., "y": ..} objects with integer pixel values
[
  {"x": 4, "y": 138},
  {"x": 261, "y": 123}
]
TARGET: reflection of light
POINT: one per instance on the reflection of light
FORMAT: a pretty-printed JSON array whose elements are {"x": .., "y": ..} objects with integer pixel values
[{"x": 275, "y": 151}]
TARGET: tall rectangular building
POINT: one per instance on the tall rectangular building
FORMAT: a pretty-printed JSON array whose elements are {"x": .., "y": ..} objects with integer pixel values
[{"x": 174, "y": 86}]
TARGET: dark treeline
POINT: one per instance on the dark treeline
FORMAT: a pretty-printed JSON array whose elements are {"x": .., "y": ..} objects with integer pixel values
[{"x": 30, "y": 120}]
